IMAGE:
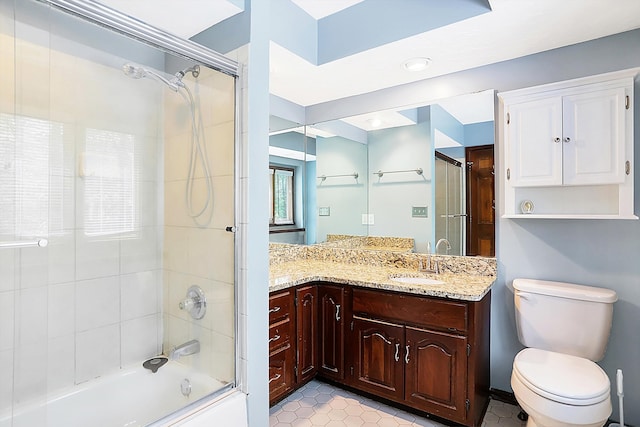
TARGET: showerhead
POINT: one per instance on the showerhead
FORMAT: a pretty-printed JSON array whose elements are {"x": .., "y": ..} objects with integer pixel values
[
  {"x": 134, "y": 71},
  {"x": 139, "y": 72}
]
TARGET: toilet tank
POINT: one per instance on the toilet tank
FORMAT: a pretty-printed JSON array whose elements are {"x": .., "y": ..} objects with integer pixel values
[{"x": 563, "y": 317}]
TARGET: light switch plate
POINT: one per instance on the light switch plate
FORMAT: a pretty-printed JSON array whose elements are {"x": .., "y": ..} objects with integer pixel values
[
  {"x": 419, "y": 211},
  {"x": 324, "y": 211}
]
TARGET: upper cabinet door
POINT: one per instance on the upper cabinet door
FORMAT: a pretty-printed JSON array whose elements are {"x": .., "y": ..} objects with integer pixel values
[
  {"x": 593, "y": 137},
  {"x": 535, "y": 148}
]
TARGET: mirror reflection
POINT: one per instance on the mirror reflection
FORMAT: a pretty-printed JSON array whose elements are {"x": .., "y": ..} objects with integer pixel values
[{"x": 422, "y": 172}]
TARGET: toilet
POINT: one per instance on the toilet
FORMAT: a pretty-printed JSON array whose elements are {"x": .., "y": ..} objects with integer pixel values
[{"x": 565, "y": 328}]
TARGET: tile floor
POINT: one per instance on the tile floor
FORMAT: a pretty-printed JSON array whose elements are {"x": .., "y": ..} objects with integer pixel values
[{"x": 320, "y": 404}]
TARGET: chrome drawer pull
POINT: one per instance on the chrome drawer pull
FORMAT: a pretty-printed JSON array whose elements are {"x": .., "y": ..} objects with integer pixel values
[
  {"x": 275, "y": 338},
  {"x": 381, "y": 336},
  {"x": 274, "y": 309},
  {"x": 277, "y": 377},
  {"x": 397, "y": 356},
  {"x": 337, "y": 312}
]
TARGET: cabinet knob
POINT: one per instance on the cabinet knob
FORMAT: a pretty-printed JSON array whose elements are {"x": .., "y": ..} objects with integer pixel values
[
  {"x": 556, "y": 139},
  {"x": 567, "y": 139}
]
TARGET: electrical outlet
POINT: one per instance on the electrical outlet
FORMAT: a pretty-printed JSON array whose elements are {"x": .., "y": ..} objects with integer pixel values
[{"x": 419, "y": 211}]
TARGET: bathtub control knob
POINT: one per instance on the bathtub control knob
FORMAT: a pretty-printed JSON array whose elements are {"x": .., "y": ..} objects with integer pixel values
[{"x": 195, "y": 303}]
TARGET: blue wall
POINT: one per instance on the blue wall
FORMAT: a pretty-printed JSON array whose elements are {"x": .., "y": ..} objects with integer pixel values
[{"x": 602, "y": 253}]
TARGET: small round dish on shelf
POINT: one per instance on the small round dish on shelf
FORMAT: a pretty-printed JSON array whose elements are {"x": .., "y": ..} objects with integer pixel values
[{"x": 526, "y": 207}]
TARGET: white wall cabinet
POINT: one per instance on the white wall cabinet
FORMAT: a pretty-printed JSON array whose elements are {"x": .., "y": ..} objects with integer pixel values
[{"x": 567, "y": 149}]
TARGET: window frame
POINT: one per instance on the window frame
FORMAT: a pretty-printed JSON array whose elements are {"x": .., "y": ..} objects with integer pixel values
[{"x": 272, "y": 195}]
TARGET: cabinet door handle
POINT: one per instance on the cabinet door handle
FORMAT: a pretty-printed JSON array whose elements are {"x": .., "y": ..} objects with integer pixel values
[
  {"x": 274, "y": 309},
  {"x": 275, "y": 338},
  {"x": 381, "y": 336},
  {"x": 556, "y": 139},
  {"x": 397, "y": 356},
  {"x": 276, "y": 377},
  {"x": 567, "y": 139},
  {"x": 337, "y": 312},
  {"x": 406, "y": 356}
]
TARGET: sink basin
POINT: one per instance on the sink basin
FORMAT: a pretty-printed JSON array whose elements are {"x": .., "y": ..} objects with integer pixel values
[{"x": 416, "y": 280}]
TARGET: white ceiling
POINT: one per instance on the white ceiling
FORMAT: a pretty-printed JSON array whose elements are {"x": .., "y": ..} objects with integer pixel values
[{"x": 513, "y": 28}]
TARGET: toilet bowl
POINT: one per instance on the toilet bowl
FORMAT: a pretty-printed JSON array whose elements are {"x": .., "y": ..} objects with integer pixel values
[{"x": 560, "y": 390}]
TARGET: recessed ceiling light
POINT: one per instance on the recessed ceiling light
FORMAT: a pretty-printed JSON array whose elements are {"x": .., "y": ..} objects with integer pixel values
[
  {"x": 416, "y": 64},
  {"x": 374, "y": 122}
]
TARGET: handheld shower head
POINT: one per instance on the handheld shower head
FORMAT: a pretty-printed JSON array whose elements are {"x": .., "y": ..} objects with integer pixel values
[{"x": 139, "y": 72}]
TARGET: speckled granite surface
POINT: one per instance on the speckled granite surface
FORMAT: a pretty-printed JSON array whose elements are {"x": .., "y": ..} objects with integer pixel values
[
  {"x": 463, "y": 286},
  {"x": 402, "y": 244}
]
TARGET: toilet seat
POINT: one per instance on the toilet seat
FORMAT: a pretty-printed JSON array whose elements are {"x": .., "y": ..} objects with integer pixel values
[{"x": 561, "y": 377}]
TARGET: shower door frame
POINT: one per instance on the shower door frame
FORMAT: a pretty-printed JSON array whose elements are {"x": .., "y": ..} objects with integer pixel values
[{"x": 169, "y": 43}]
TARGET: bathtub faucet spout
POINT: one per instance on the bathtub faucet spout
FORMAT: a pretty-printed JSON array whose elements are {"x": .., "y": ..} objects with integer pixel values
[{"x": 186, "y": 349}]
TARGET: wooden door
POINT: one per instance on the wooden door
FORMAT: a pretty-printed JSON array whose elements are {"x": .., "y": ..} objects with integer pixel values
[
  {"x": 331, "y": 322},
  {"x": 378, "y": 363},
  {"x": 480, "y": 201},
  {"x": 436, "y": 373},
  {"x": 307, "y": 332}
]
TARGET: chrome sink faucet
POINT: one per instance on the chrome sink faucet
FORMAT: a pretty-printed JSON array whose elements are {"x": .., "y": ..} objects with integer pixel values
[
  {"x": 186, "y": 349},
  {"x": 443, "y": 241}
]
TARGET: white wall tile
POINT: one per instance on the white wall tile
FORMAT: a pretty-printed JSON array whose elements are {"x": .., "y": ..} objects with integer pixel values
[
  {"x": 6, "y": 320},
  {"x": 140, "y": 253},
  {"x": 31, "y": 316},
  {"x": 97, "y": 303},
  {"x": 34, "y": 267},
  {"x": 175, "y": 249},
  {"x": 61, "y": 362},
  {"x": 139, "y": 339},
  {"x": 140, "y": 294},
  {"x": 30, "y": 373},
  {"x": 7, "y": 269},
  {"x": 6, "y": 373},
  {"x": 222, "y": 357},
  {"x": 62, "y": 310},
  {"x": 97, "y": 352},
  {"x": 62, "y": 257},
  {"x": 96, "y": 258},
  {"x": 220, "y": 308},
  {"x": 220, "y": 140}
]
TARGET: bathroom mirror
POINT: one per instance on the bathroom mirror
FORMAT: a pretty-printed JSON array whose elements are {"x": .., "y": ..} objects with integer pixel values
[
  {"x": 291, "y": 159},
  {"x": 427, "y": 186},
  {"x": 408, "y": 172}
]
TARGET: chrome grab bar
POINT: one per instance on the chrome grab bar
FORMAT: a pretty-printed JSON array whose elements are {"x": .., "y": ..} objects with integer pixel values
[{"x": 25, "y": 244}]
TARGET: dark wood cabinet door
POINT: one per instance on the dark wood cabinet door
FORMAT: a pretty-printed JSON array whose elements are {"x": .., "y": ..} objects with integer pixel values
[
  {"x": 436, "y": 373},
  {"x": 307, "y": 332},
  {"x": 332, "y": 321},
  {"x": 281, "y": 373},
  {"x": 378, "y": 357}
]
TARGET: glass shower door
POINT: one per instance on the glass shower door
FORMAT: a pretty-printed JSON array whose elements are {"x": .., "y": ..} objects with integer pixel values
[{"x": 449, "y": 210}]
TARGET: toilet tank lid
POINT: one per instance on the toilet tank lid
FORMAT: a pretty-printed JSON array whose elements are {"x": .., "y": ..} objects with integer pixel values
[{"x": 565, "y": 290}]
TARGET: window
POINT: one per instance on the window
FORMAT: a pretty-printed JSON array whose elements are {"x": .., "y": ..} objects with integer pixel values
[
  {"x": 280, "y": 195},
  {"x": 32, "y": 176},
  {"x": 110, "y": 184}
]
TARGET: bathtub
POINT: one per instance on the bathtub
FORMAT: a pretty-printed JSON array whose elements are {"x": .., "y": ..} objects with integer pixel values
[{"x": 128, "y": 398}]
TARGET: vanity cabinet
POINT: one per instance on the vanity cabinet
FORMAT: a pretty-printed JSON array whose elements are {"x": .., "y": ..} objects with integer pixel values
[
  {"x": 281, "y": 344},
  {"x": 333, "y": 313},
  {"x": 307, "y": 332},
  {"x": 568, "y": 148},
  {"x": 431, "y": 354}
]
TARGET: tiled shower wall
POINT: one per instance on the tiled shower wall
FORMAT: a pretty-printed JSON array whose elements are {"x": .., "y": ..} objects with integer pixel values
[
  {"x": 79, "y": 153},
  {"x": 201, "y": 255}
]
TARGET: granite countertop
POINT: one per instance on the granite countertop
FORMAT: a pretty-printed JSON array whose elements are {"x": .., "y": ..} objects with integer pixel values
[{"x": 457, "y": 286}]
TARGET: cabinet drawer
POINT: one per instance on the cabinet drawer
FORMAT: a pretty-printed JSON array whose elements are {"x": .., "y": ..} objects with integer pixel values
[
  {"x": 413, "y": 310},
  {"x": 280, "y": 334},
  {"x": 281, "y": 373},
  {"x": 280, "y": 306}
]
